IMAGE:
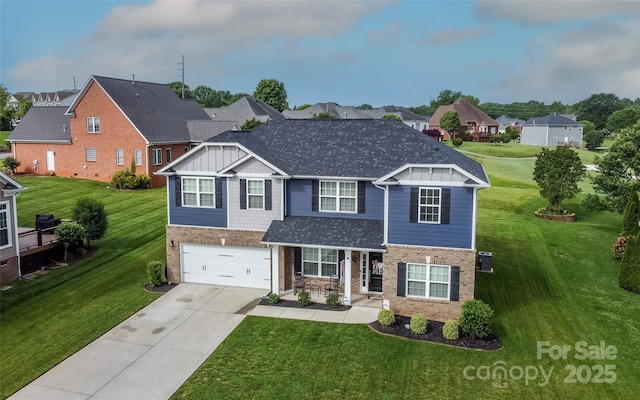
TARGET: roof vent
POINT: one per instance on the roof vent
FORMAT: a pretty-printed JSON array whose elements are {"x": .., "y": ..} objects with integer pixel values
[
  {"x": 64, "y": 127},
  {"x": 133, "y": 82}
]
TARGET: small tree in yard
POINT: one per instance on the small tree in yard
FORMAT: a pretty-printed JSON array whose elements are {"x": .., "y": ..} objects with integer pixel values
[
  {"x": 71, "y": 236},
  {"x": 632, "y": 213},
  {"x": 10, "y": 164},
  {"x": 89, "y": 213},
  {"x": 558, "y": 172},
  {"x": 450, "y": 122},
  {"x": 629, "y": 277}
]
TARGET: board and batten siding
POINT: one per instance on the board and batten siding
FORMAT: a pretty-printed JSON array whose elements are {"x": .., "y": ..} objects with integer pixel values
[
  {"x": 197, "y": 216},
  {"x": 210, "y": 159},
  {"x": 456, "y": 234},
  {"x": 430, "y": 174},
  {"x": 299, "y": 202}
]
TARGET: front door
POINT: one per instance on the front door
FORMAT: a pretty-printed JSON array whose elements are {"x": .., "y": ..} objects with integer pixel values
[
  {"x": 375, "y": 272},
  {"x": 51, "y": 166}
]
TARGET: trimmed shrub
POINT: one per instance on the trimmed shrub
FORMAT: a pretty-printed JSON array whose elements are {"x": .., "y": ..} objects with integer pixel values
[
  {"x": 451, "y": 330},
  {"x": 143, "y": 181},
  {"x": 457, "y": 142},
  {"x": 632, "y": 213},
  {"x": 155, "y": 273},
  {"x": 274, "y": 298},
  {"x": 629, "y": 277},
  {"x": 618, "y": 248},
  {"x": 124, "y": 179},
  {"x": 333, "y": 300},
  {"x": 386, "y": 317},
  {"x": 10, "y": 164},
  {"x": 71, "y": 236},
  {"x": 304, "y": 298},
  {"x": 418, "y": 324},
  {"x": 475, "y": 320}
]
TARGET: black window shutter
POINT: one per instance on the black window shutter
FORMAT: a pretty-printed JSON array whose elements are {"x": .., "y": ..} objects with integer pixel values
[
  {"x": 413, "y": 205},
  {"x": 297, "y": 260},
  {"x": 455, "y": 284},
  {"x": 402, "y": 279},
  {"x": 445, "y": 206},
  {"x": 315, "y": 195},
  {"x": 178, "y": 190},
  {"x": 218, "y": 192},
  {"x": 361, "y": 191},
  {"x": 267, "y": 194},
  {"x": 243, "y": 194}
]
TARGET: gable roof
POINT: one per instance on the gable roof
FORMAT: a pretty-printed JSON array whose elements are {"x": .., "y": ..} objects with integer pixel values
[
  {"x": 552, "y": 119},
  {"x": 338, "y": 111},
  {"x": 404, "y": 113},
  {"x": 366, "y": 149},
  {"x": 199, "y": 131},
  {"x": 10, "y": 186},
  {"x": 154, "y": 109},
  {"x": 509, "y": 121},
  {"x": 467, "y": 112},
  {"x": 245, "y": 109},
  {"x": 43, "y": 124}
]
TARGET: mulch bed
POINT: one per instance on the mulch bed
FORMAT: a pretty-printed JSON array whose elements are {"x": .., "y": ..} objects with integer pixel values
[
  {"x": 434, "y": 334},
  {"x": 164, "y": 288},
  {"x": 312, "y": 306}
]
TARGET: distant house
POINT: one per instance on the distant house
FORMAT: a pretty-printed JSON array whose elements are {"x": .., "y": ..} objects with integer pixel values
[
  {"x": 111, "y": 124},
  {"x": 335, "y": 109},
  {"x": 472, "y": 119},
  {"x": 9, "y": 244},
  {"x": 506, "y": 122},
  {"x": 50, "y": 99},
  {"x": 243, "y": 110},
  {"x": 416, "y": 121},
  {"x": 552, "y": 130}
]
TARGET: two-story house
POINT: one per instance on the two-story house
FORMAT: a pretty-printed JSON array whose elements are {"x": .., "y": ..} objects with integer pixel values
[
  {"x": 384, "y": 207},
  {"x": 9, "y": 245},
  {"x": 552, "y": 130},
  {"x": 473, "y": 120}
]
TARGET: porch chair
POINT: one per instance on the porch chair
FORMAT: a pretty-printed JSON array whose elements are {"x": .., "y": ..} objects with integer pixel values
[
  {"x": 332, "y": 286},
  {"x": 299, "y": 283}
]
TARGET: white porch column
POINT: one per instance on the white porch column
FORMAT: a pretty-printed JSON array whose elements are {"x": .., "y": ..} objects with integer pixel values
[
  {"x": 275, "y": 269},
  {"x": 347, "y": 277}
]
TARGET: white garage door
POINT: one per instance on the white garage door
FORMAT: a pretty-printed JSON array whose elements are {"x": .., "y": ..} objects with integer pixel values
[{"x": 226, "y": 265}]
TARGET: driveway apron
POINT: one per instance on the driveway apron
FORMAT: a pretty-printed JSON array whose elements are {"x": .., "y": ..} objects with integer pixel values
[{"x": 152, "y": 353}]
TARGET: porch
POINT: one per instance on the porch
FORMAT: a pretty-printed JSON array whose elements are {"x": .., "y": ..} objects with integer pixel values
[{"x": 317, "y": 296}]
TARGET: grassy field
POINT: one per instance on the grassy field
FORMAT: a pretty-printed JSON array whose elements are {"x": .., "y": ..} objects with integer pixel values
[
  {"x": 45, "y": 320},
  {"x": 3, "y": 139}
]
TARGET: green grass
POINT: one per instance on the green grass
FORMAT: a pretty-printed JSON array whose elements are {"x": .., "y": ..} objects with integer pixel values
[
  {"x": 44, "y": 321},
  {"x": 3, "y": 139},
  {"x": 553, "y": 282}
]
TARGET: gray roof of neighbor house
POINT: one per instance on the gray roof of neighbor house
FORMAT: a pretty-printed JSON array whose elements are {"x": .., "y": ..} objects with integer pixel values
[
  {"x": 43, "y": 124},
  {"x": 203, "y": 130},
  {"x": 154, "y": 109},
  {"x": 245, "y": 109},
  {"x": 404, "y": 113},
  {"x": 551, "y": 119},
  {"x": 505, "y": 120},
  {"x": 329, "y": 232},
  {"x": 346, "y": 148},
  {"x": 335, "y": 109}
]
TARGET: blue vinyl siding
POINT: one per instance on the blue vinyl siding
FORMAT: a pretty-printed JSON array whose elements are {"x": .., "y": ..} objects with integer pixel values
[
  {"x": 457, "y": 234},
  {"x": 212, "y": 217},
  {"x": 299, "y": 202}
]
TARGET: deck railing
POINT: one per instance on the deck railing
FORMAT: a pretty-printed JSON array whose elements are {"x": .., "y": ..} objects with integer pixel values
[{"x": 36, "y": 238}]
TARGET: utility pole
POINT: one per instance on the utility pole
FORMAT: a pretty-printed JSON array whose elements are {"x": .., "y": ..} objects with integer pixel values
[
  {"x": 182, "y": 75},
  {"x": 74, "y": 83}
]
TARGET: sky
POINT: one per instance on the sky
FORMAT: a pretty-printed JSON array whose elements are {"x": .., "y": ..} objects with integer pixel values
[{"x": 401, "y": 53}]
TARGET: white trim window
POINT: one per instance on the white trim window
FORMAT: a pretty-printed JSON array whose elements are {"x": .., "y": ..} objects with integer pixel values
[
  {"x": 120, "y": 156},
  {"x": 157, "y": 156},
  {"x": 92, "y": 154},
  {"x": 138, "y": 156},
  {"x": 429, "y": 202},
  {"x": 429, "y": 281},
  {"x": 198, "y": 192},
  {"x": 168, "y": 155},
  {"x": 338, "y": 196},
  {"x": 93, "y": 124},
  {"x": 255, "y": 194},
  {"x": 5, "y": 230},
  {"x": 319, "y": 262}
]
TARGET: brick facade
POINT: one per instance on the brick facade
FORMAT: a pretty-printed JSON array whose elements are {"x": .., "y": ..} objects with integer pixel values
[{"x": 9, "y": 272}]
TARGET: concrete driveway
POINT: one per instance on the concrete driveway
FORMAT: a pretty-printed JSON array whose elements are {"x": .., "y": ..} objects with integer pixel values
[{"x": 151, "y": 354}]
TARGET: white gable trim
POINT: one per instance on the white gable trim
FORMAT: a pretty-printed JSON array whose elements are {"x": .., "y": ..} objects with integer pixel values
[{"x": 390, "y": 177}]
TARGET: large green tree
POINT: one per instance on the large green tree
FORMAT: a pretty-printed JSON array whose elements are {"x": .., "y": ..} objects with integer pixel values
[
  {"x": 592, "y": 138},
  {"x": 272, "y": 92},
  {"x": 250, "y": 124},
  {"x": 597, "y": 108},
  {"x": 177, "y": 88},
  {"x": 450, "y": 122},
  {"x": 558, "y": 172},
  {"x": 6, "y": 112},
  {"x": 619, "y": 169},
  {"x": 90, "y": 213},
  {"x": 624, "y": 118}
]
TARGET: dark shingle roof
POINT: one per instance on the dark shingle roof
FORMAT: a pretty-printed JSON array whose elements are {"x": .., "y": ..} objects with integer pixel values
[
  {"x": 245, "y": 109},
  {"x": 346, "y": 148},
  {"x": 45, "y": 124},
  {"x": 203, "y": 130},
  {"x": 329, "y": 232},
  {"x": 158, "y": 113},
  {"x": 551, "y": 119},
  {"x": 404, "y": 113},
  {"x": 467, "y": 112}
]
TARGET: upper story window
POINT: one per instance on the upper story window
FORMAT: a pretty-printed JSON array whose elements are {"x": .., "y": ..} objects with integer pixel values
[
  {"x": 198, "y": 192},
  {"x": 4, "y": 224},
  {"x": 429, "y": 205},
  {"x": 319, "y": 262},
  {"x": 168, "y": 156},
  {"x": 338, "y": 196},
  {"x": 93, "y": 125},
  {"x": 157, "y": 156},
  {"x": 138, "y": 156},
  {"x": 430, "y": 281},
  {"x": 120, "y": 156},
  {"x": 255, "y": 194}
]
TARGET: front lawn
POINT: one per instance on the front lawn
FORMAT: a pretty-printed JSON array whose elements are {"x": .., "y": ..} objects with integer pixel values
[
  {"x": 44, "y": 321},
  {"x": 554, "y": 282}
]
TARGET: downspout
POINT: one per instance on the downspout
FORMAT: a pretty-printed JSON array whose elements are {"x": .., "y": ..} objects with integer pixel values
[
  {"x": 474, "y": 218},
  {"x": 147, "y": 160},
  {"x": 386, "y": 213},
  {"x": 15, "y": 233}
]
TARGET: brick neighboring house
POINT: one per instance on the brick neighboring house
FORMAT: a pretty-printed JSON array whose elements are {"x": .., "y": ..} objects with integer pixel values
[
  {"x": 111, "y": 124},
  {"x": 389, "y": 210},
  {"x": 9, "y": 244},
  {"x": 472, "y": 119}
]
